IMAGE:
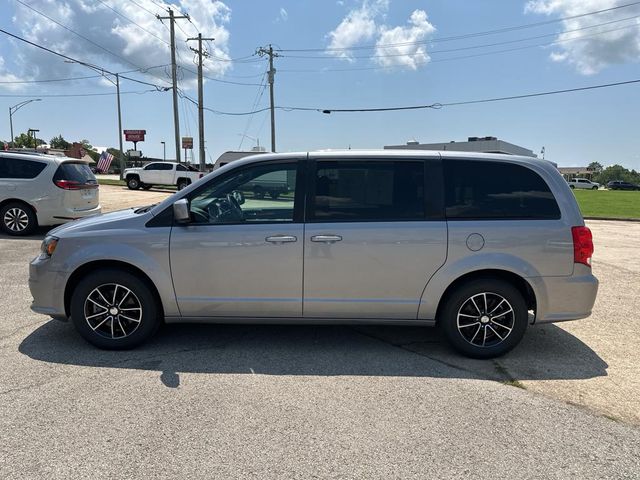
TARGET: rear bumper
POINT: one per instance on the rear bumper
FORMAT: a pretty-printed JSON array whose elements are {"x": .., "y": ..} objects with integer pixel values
[
  {"x": 48, "y": 217},
  {"x": 565, "y": 298}
]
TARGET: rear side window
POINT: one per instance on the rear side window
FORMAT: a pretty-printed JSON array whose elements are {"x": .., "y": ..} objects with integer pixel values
[
  {"x": 75, "y": 172},
  {"x": 159, "y": 166},
  {"x": 19, "y": 168},
  {"x": 368, "y": 191},
  {"x": 493, "y": 190}
]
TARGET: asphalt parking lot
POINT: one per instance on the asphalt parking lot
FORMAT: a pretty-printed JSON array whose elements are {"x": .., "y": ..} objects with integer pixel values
[{"x": 328, "y": 402}]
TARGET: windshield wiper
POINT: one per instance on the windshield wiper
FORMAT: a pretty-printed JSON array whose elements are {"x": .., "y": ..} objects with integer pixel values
[{"x": 144, "y": 209}]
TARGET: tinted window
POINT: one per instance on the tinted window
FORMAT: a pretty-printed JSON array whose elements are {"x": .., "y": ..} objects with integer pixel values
[
  {"x": 368, "y": 191},
  {"x": 75, "y": 172},
  {"x": 159, "y": 166},
  {"x": 264, "y": 193},
  {"x": 488, "y": 190},
  {"x": 181, "y": 168},
  {"x": 19, "y": 168}
]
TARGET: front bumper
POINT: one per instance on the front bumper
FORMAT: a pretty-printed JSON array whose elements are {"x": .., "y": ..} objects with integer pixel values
[{"x": 47, "y": 289}]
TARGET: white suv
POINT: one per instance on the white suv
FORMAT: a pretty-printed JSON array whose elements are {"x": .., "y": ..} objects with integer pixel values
[
  {"x": 40, "y": 190},
  {"x": 583, "y": 183}
]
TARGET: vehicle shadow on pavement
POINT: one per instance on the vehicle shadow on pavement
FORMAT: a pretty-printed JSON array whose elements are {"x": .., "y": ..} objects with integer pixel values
[{"x": 547, "y": 352}]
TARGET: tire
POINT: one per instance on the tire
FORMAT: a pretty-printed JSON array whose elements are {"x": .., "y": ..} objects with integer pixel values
[
  {"x": 465, "y": 324},
  {"x": 571, "y": 187},
  {"x": 133, "y": 295},
  {"x": 594, "y": 188},
  {"x": 18, "y": 218},
  {"x": 259, "y": 192},
  {"x": 274, "y": 195},
  {"x": 133, "y": 183},
  {"x": 182, "y": 184}
]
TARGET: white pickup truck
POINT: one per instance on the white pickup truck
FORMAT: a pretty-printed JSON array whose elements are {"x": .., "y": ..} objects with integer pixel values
[{"x": 161, "y": 173}]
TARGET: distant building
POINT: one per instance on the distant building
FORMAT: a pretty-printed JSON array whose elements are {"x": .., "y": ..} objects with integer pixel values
[
  {"x": 577, "y": 172},
  {"x": 473, "y": 144}
]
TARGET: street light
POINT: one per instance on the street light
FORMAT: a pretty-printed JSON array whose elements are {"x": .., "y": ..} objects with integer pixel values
[
  {"x": 164, "y": 151},
  {"x": 104, "y": 74},
  {"x": 14, "y": 109}
]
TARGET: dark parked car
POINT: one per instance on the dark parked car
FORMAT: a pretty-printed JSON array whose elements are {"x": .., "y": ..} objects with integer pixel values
[{"x": 620, "y": 185}]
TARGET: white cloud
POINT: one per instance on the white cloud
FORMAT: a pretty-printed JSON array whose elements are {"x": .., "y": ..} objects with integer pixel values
[
  {"x": 134, "y": 46},
  {"x": 601, "y": 46},
  {"x": 367, "y": 22},
  {"x": 283, "y": 15},
  {"x": 359, "y": 25},
  {"x": 397, "y": 46}
]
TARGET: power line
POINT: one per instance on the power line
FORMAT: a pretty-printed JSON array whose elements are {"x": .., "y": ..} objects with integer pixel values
[
  {"x": 77, "y": 34},
  {"x": 133, "y": 22},
  {"x": 465, "y": 36},
  {"x": 144, "y": 8},
  {"x": 69, "y": 79},
  {"x": 100, "y": 94},
  {"x": 473, "y": 102},
  {"x": 67, "y": 57},
  {"x": 495, "y": 44},
  {"x": 462, "y": 57},
  {"x": 435, "y": 106}
]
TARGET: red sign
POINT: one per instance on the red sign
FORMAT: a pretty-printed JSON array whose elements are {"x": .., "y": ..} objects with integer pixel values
[{"x": 134, "y": 135}]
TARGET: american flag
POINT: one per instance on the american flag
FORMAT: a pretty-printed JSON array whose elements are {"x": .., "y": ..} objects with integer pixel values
[{"x": 104, "y": 162}]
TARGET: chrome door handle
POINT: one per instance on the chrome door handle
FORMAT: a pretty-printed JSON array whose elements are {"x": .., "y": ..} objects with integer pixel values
[
  {"x": 281, "y": 239},
  {"x": 326, "y": 238}
]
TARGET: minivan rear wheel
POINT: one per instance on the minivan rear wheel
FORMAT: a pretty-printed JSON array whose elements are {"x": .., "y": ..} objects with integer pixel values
[
  {"x": 114, "y": 310},
  {"x": 484, "y": 318},
  {"x": 18, "y": 218}
]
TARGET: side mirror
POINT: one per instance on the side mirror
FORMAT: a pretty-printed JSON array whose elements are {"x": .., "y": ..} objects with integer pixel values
[{"x": 181, "y": 212}]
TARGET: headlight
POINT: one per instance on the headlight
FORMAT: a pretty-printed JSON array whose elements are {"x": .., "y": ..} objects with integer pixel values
[{"x": 48, "y": 246}]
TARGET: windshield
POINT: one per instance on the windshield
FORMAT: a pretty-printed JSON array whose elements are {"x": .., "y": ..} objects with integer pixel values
[{"x": 75, "y": 172}]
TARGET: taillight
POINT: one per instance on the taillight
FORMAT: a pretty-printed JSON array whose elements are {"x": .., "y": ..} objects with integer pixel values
[
  {"x": 73, "y": 185},
  {"x": 68, "y": 184},
  {"x": 582, "y": 245}
]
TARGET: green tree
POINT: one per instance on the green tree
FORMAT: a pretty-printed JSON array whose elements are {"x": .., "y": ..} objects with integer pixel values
[
  {"x": 59, "y": 142},
  {"x": 88, "y": 148},
  {"x": 23, "y": 140},
  {"x": 596, "y": 167},
  {"x": 614, "y": 172}
]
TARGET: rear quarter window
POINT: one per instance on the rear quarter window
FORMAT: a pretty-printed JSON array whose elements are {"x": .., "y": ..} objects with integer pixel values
[
  {"x": 20, "y": 168},
  {"x": 495, "y": 190}
]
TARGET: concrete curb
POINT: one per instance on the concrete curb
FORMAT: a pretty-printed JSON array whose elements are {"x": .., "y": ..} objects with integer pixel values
[{"x": 613, "y": 219}]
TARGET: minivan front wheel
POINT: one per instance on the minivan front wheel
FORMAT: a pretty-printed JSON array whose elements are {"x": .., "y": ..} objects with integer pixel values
[
  {"x": 18, "y": 219},
  {"x": 114, "y": 310},
  {"x": 484, "y": 318}
]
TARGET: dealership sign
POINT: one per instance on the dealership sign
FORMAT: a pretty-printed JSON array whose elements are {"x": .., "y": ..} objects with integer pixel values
[
  {"x": 134, "y": 135},
  {"x": 187, "y": 142}
]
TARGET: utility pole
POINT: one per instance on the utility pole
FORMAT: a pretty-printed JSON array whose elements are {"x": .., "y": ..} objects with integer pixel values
[
  {"x": 121, "y": 159},
  {"x": 174, "y": 75},
  {"x": 200, "y": 99},
  {"x": 272, "y": 73}
]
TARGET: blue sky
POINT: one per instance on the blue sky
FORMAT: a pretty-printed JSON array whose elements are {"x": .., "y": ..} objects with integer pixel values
[{"x": 575, "y": 128}]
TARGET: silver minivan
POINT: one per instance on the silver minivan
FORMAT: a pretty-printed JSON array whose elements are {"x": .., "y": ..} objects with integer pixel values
[
  {"x": 480, "y": 245},
  {"x": 44, "y": 190}
]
